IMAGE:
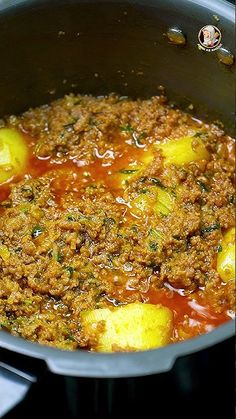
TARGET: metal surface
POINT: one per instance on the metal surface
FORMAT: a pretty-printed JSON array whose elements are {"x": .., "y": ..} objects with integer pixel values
[
  {"x": 98, "y": 47},
  {"x": 14, "y": 385},
  {"x": 85, "y": 364},
  {"x": 49, "y": 48}
]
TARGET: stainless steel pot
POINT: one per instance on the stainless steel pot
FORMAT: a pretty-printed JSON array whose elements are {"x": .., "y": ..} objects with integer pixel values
[{"x": 49, "y": 48}]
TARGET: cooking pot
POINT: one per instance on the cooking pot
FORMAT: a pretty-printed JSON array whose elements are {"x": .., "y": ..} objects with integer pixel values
[{"x": 132, "y": 47}]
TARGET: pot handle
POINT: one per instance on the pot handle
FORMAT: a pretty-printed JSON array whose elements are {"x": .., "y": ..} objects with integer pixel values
[{"x": 14, "y": 385}]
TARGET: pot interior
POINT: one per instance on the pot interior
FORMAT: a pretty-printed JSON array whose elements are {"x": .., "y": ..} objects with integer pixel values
[{"x": 49, "y": 49}]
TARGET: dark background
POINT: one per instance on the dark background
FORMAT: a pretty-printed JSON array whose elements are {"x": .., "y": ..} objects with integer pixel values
[{"x": 200, "y": 386}]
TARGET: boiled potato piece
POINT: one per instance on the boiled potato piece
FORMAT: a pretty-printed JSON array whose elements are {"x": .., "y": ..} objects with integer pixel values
[
  {"x": 136, "y": 326},
  {"x": 226, "y": 258},
  {"x": 164, "y": 202},
  {"x": 155, "y": 199},
  {"x": 147, "y": 156},
  {"x": 4, "y": 252},
  {"x": 183, "y": 150},
  {"x": 13, "y": 153}
]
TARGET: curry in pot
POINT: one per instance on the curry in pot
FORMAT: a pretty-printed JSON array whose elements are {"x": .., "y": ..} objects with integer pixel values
[{"x": 116, "y": 224}]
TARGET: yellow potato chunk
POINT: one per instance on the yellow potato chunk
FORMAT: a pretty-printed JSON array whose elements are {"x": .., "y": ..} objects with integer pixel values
[
  {"x": 155, "y": 199},
  {"x": 147, "y": 157},
  {"x": 13, "y": 153},
  {"x": 4, "y": 252},
  {"x": 136, "y": 326},
  {"x": 183, "y": 150},
  {"x": 226, "y": 258},
  {"x": 164, "y": 202}
]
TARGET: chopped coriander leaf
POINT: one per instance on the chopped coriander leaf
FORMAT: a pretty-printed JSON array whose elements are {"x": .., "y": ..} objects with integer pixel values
[
  {"x": 231, "y": 199},
  {"x": 4, "y": 325},
  {"x": 153, "y": 232},
  {"x": 127, "y": 128},
  {"x": 142, "y": 179},
  {"x": 219, "y": 248},
  {"x": 59, "y": 257},
  {"x": 144, "y": 191},
  {"x": 109, "y": 220},
  {"x": 71, "y": 338},
  {"x": 210, "y": 228},
  {"x": 108, "y": 223},
  {"x": 70, "y": 270},
  {"x": 28, "y": 302},
  {"x": 128, "y": 171},
  {"x": 153, "y": 180},
  {"x": 37, "y": 231},
  {"x": 199, "y": 134},
  {"x": 153, "y": 246},
  {"x": 142, "y": 136},
  {"x": 110, "y": 258},
  {"x": 56, "y": 254},
  {"x": 18, "y": 249},
  {"x": 71, "y": 218},
  {"x": 202, "y": 186},
  {"x": 156, "y": 181}
]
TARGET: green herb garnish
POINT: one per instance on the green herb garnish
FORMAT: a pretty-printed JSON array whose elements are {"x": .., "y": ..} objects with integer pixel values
[
  {"x": 128, "y": 171},
  {"x": 70, "y": 338},
  {"x": 18, "y": 249},
  {"x": 202, "y": 186},
  {"x": 153, "y": 246},
  {"x": 37, "y": 231},
  {"x": 127, "y": 128},
  {"x": 210, "y": 228},
  {"x": 59, "y": 258},
  {"x": 70, "y": 270},
  {"x": 28, "y": 302},
  {"x": 219, "y": 248},
  {"x": 157, "y": 182},
  {"x": 71, "y": 218},
  {"x": 231, "y": 199},
  {"x": 199, "y": 134}
]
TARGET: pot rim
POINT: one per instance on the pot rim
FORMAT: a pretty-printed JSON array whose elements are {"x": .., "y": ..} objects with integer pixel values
[
  {"x": 81, "y": 363},
  {"x": 221, "y": 7}
]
